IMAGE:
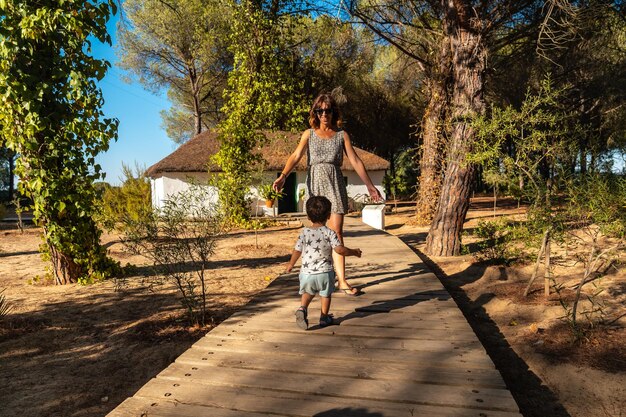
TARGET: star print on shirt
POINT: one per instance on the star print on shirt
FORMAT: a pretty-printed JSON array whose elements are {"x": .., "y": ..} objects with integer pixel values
[{"x": 318, "y": 258}]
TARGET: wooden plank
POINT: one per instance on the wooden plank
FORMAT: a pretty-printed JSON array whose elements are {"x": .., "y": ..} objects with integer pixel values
[
  {"x": 417, "y": 372},
  {"x": 286, "y": 323},
  {"x": 284, "y": 314},
  {"x": 146, "y": 407},
  {"x": 364, "y": 303},
  {"x": 408, "y": 288},
  {"x": 394, "y": 319},
  {"x": 402, "y": 348},
  {"x": 338, "y": 339},
  {"x": 408, "y": 296},
  {"x": 447, "y": 358},
  {"x": 190, "y": 396},
  {"x": 409, "y": 392},
  {"x": 341, "y": 309}
]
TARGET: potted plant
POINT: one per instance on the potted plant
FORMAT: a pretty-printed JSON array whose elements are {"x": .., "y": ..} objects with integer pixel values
[
  {"x": 267, "y": 192},
  {"x": 301, "y": 194}
]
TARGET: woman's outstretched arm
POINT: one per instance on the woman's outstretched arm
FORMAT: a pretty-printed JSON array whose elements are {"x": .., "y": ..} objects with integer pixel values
[
  {"x": 357, "y": 163},
  {"x": 292, "y": 161}
]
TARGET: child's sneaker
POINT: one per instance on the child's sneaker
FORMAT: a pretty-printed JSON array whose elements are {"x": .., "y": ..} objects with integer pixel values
[
  {"x": 301, "y": 319},
  {"x": 326, "y": 320}
]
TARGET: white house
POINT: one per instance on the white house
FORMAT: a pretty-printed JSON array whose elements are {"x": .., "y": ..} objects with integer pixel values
[{"x": 191, "y": 163}]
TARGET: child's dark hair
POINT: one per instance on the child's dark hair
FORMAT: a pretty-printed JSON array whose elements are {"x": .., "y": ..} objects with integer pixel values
[{"x": 318, "y": 209}]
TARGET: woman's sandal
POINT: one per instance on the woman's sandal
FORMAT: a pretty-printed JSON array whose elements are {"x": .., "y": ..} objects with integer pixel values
[{"x": 350, "y": 291}]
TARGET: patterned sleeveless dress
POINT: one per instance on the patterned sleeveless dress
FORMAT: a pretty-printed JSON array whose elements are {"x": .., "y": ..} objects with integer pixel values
[{"x": 325, "y": 178}]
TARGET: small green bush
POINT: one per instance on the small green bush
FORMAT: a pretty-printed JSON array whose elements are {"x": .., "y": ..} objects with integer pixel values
[
  {"x": 494, "y": 246},
  {"x": 131, "y": 200},
  {"x": 179, "y": 238}
]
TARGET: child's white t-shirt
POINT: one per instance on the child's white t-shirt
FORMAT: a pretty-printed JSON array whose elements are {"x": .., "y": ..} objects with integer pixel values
[{"x": 316, "y": 245}]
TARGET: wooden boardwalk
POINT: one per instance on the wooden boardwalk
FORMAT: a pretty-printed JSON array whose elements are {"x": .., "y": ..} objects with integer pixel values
[{"x": 403, "y": 348}]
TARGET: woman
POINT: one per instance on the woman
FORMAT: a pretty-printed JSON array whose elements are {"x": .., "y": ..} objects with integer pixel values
[{"x": 325, "y": 144}]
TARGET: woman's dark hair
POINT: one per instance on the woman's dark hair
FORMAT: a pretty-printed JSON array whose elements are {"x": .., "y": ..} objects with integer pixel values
[
  {"x": 318, "y": 209},
  {"x": 330, "y": 102}
]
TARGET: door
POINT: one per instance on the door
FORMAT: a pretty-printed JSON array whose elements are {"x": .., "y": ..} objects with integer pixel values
[{"x": 288, "y": 203}]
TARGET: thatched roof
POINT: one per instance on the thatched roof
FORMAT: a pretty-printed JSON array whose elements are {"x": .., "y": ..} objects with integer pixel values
[{"x": 194, "y": 155}]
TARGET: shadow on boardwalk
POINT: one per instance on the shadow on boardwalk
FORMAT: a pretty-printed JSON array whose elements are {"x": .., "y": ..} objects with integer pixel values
[
  {"x": 347, "y": 412},
  {"x": 533, "y": 397}
]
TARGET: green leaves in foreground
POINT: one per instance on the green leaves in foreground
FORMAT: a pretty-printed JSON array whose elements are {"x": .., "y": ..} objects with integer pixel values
[{"x": 50, "y": 115}]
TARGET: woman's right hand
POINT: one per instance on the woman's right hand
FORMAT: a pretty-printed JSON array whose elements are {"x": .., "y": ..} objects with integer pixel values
[{"x": 278, "y": 184}]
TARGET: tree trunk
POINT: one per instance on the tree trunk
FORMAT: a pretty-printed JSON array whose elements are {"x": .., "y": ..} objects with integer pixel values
[
  {"x": 431, "y": 155},
  {"x": 433, "y": 144},
  {"x": 194, "y": 87},
  {"x": 11, "y": 175},
  {"x": 197, "y": 113},
  {"x": 547, "y": 275},
  {"x": 65, "y": 270},
  {"x": 468, "y": 66}
]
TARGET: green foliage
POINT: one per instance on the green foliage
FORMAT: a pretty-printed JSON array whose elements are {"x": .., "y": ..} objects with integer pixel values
[
  {"x": 263, "y": 93},
  {"x": 179, "y": 239},
  {"x": 495, "y": 244},
  {"x": 267, "y": 192},
  {"x": 529, "y": 150},
  {"x": 402, "y": 182},
  {"x": 540, "y": 134},
  {"x": 374, "y": 81},
  {"x": 131, "y": 200},
  {"x": 50, "y": 116},
  {"x": 598, "y": 200},
  {"x": 181, "y": 46}
]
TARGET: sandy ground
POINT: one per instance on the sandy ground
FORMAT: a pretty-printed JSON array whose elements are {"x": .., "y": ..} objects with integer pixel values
[{"x": 80, "y": 350}]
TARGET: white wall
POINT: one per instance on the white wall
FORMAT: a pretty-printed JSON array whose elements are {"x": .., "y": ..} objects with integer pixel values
[
  {"x": 171, "y": 183},
  {"x": 356, "y": 188}
]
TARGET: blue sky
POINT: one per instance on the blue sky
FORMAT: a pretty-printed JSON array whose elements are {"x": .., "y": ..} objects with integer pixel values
[{"x": 141, "y": 139}]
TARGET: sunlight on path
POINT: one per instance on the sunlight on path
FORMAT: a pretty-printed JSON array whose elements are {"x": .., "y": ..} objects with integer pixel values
[{"x": 403, "y": 348}]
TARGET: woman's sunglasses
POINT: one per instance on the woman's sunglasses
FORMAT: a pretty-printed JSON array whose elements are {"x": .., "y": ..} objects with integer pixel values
[{"x": 319, "y": 112}]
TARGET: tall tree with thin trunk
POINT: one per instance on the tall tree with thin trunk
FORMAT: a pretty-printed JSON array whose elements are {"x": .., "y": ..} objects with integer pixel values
[
  {"x": 469, "y": 53},
  {"x": 432, "y": 32},
  {"x": 180, "y": 46}
]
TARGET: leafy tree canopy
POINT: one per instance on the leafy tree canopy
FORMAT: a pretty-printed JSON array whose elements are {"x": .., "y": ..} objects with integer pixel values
[
  {"x": 180, "y": 46},
  {"x": 50, "y": 115}
]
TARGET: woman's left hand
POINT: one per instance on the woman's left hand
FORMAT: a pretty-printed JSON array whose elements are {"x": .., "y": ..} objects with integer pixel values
[{"x": 375, "y": 194}]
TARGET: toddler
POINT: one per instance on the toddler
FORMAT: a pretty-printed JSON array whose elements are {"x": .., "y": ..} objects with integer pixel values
[{"x": 317, "y": 276}]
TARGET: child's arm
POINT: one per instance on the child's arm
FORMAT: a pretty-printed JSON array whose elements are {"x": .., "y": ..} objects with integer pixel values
[
  {"x": 344, "y": 251},
  {"x": 295, "y": 255}
]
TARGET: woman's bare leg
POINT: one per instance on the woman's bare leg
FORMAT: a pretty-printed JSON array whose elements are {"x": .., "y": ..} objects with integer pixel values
[{"x": 336, "y": 223}]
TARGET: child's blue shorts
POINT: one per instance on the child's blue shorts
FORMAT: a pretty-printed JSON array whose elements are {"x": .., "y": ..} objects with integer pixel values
[{"x": 322, "y": 283}]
